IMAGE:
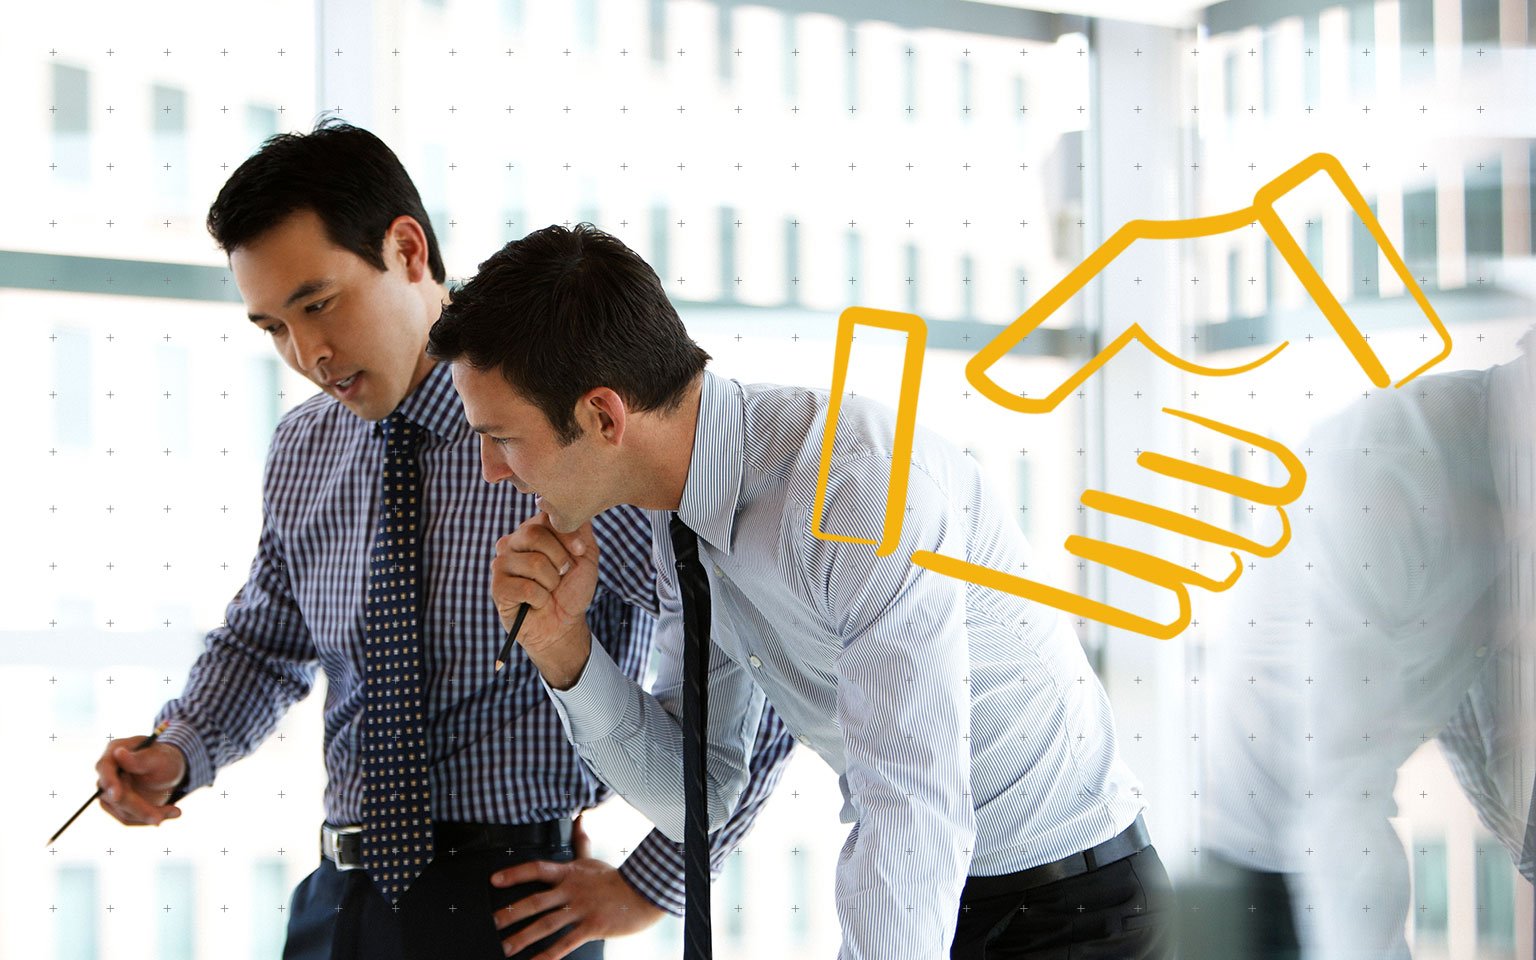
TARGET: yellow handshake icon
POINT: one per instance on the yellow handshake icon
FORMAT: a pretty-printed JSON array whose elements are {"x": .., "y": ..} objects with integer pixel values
[{"x": 1175, "y": 577}]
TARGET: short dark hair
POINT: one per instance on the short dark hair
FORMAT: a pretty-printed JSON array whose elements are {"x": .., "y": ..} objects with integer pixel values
[
  {"x": 346, "y": 175},
  {"x": 563, "y": 311}
]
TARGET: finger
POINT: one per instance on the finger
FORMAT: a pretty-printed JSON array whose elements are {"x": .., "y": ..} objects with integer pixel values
[
  {"x": 530, "y": 906},
  {"x": 132, "y": 809},
  {"x": 536, "y": 537},
  {"x": 560, "y": 948},
  {"x": 530, "y": 566},
  {"x": 109, "y": 775},
  {"x": 547, "y": 925},
  {"x": 139, "y": 808},
  {"x": 580, "y": 844},
  {"x": 580, "y": 542},
  {"x": 534, "y": 871},
  {"x": 108, "y": 779}
]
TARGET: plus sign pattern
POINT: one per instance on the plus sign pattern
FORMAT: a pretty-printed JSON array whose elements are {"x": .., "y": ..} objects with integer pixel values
[{"x": 775, "y": 162}]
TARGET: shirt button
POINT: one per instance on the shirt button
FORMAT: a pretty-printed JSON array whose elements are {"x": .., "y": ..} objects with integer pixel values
[
  {"x": 718, "y": 571},
  {"x": 754, "y": 661},
  {"x": 1482, "y": 651}
]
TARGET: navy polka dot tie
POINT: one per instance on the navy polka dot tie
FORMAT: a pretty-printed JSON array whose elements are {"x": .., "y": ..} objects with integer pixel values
[{"x": 397, "y": 819}]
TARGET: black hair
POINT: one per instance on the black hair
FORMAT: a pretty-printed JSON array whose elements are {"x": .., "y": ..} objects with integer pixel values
[
  {"x": 563, "y": 311},
  {"x": 346, "y": 175}
]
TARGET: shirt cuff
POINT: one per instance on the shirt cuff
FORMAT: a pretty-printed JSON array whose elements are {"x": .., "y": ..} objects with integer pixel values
[
  {"x": 594, "y": 705},
  {"x": 181, "y": 735},
  {"x": 655, "y": 870}
]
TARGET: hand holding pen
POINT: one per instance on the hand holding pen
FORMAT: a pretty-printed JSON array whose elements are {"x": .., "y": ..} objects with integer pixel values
[
  {"x": 543, "y": 581},
  {"x": 136, "y": 776}
]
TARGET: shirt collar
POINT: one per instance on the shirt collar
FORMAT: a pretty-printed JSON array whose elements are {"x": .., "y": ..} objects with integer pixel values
[
  {"x": 435, "y": 406},
  {"x": 712, "y": 492}
]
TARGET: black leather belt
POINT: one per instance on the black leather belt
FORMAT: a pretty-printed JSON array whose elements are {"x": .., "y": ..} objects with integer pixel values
[
  {"x": 1132, "y": 840},
  {"x": 343, "y": 846}
]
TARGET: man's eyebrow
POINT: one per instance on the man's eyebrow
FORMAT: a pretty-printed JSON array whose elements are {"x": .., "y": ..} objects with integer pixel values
[
  {"x": 483, "y": 428},
  {"x": 306, "y": 289}
]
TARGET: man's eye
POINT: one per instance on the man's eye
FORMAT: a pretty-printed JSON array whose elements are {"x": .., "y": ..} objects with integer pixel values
[
  {"x": 501, "y": 441},
  {"x": 275, "y": 330},
  {"x": 317, "y": 306}
]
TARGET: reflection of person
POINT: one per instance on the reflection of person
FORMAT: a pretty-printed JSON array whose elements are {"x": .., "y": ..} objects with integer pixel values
[
  {"x": 975, "y": 747},
  {"x": 1406, "y": 614},
  {"x": 337, "y": 263}
]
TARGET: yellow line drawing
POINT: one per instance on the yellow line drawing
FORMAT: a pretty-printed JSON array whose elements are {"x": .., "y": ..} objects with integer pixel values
[
  {"x": 1173, "y": 577},
  {"x": 1263, "y": 212}
]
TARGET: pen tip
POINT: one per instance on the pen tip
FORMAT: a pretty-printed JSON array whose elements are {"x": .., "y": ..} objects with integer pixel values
[{"x": 500, "y": 664}]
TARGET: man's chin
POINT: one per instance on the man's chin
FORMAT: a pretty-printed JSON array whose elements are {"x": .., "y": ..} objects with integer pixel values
[
  {"x": 363, "y": 408},
  {"x": 563, "y": 522}
]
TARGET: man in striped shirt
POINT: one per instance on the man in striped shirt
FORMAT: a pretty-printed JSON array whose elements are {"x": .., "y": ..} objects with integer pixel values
[
  {"x": 976, "y": 750},
  {"x": 336, "y": 260}
]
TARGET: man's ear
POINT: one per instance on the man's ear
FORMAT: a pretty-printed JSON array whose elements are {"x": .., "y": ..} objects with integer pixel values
[
  {"x": 406, "y": 243},
  {"x": 605, "y": 412}
]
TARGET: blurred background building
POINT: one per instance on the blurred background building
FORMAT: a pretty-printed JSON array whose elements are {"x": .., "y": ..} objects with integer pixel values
[{"x": 775, "y": 162}]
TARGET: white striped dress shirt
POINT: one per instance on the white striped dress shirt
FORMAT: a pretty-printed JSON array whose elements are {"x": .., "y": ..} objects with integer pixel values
[
  {"x": 969, "y": 733},
  {"x": 1402, "y": 610}
]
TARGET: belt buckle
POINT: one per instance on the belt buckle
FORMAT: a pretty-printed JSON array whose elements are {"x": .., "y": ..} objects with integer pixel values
[{"x": 330, "y": 845}]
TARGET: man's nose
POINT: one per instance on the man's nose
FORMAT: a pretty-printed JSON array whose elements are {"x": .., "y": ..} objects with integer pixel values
[
  {"x": 310, "y": 350},
  {"x": 492, "y": 466}
]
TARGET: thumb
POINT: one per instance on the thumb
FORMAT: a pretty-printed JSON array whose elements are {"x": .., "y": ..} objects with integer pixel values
[{"x": 581, "y": 845}]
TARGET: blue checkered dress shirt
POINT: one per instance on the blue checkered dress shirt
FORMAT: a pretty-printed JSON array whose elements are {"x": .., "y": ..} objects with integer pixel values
[{"x": 496, "y": 747}]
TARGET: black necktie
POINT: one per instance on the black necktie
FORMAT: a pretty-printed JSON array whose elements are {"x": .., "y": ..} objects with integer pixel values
[
  {"x": 397, "y": 819},
  {"x": 694, "y": 584}
]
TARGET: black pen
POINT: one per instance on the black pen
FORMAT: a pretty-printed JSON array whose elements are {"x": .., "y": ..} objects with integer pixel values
[
  {"x": 506, "y": 648},
  {"x": 142, "y": 744}
]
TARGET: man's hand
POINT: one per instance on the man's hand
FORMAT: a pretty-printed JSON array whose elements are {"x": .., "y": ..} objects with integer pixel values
[
  {"x": 137, "y": 783},
  {"x": 587, "y": 895},
  {"x": 556, "y": 575}
]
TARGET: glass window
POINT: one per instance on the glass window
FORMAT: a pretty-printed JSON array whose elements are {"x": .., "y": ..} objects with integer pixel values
[
  {"x": 1416, "y": 19},
  {"x": 168, "y": 120},
  {"x": 791, "y": 53},
  {"x": 269, "y": 890},
  {"x": 260, "y": 123},
  {"x": 1495, "y": 896},
  {"x": 966, "y": 78},
  {"x": 77, "y": 917},
  {"x": 71, "y": 122},
  {"x": 913, "y": 277},
  {"x": 1230, "y": 85},
  {"x": 909, "y": 82},
  {"x": 585, "y": 14},
  {"x": 1361, "y": 52},
  {"x": 175, "y": 918},
  {"x": 1479, "y": 22},
  {"x": 733, "y": 895},
  {"x": 1485, "y": 209},
  {"x": 853, "y": 252},
  {"x": 1364, "y": 251},
  {"x": 799, "y": 894},
  {"x": 1419, "y": 231},
  {"x": 72, "y": 387},
  {"x": 791, "y": 261},
  {"x": 728, "y": 272},
  {"x": 1272, "y": 68},
  {"x": 968, "y": 287},
  {"x": 1312, "y": 60},
  {"x": 1430, "y": 890}
]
